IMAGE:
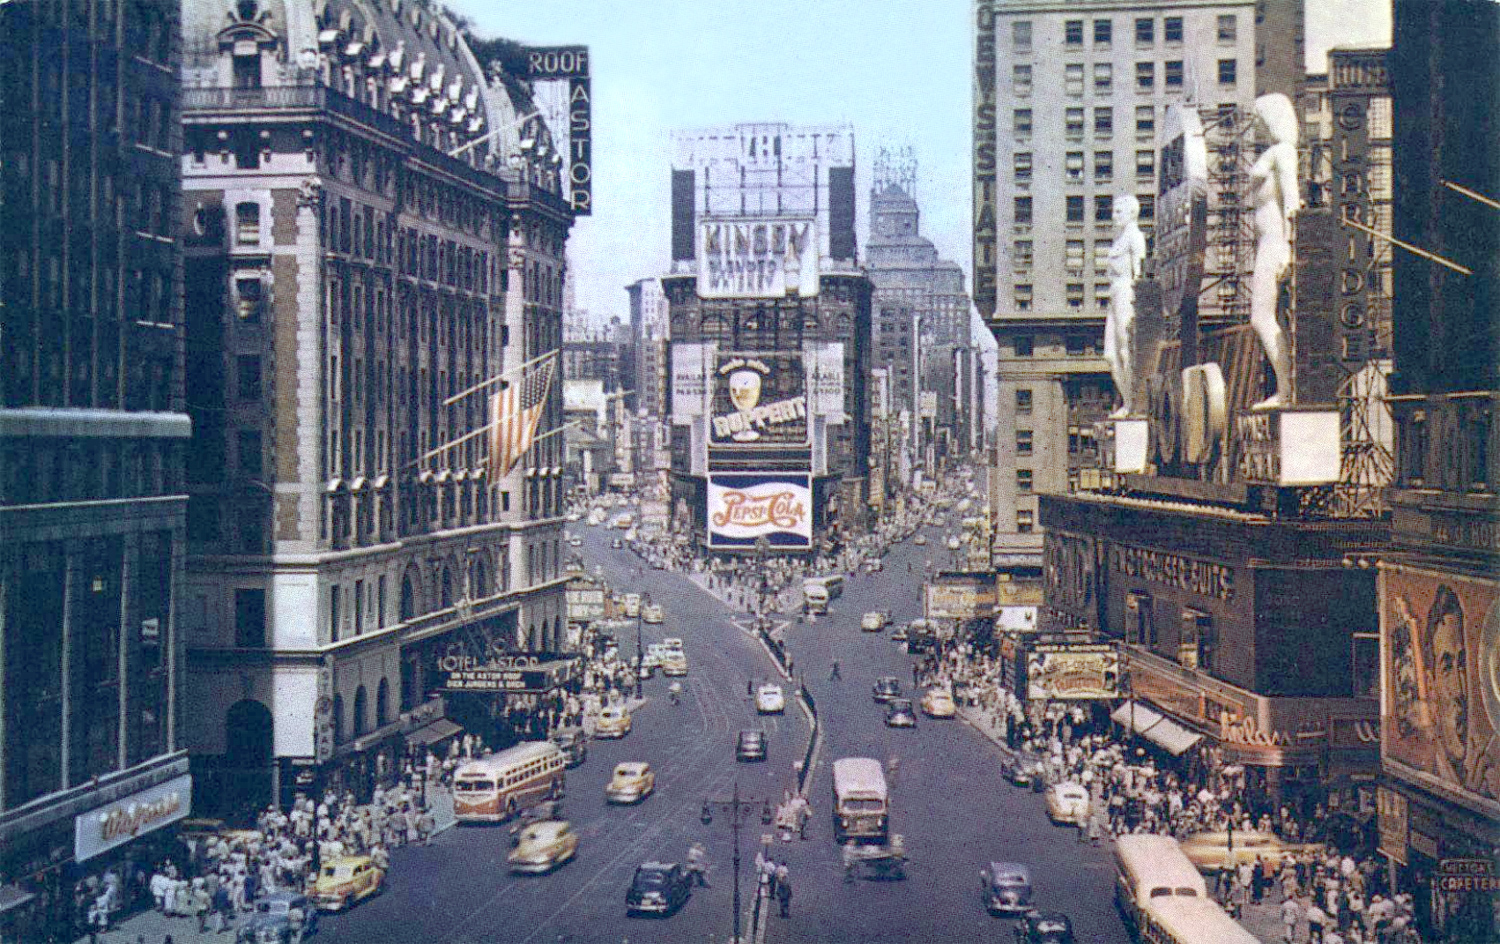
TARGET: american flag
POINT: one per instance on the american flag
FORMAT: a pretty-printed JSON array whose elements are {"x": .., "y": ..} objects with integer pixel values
[{"x": 514, "y": 414}]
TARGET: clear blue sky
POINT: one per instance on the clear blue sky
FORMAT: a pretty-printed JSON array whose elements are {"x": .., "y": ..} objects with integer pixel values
[{"x": 898, "y": 70}]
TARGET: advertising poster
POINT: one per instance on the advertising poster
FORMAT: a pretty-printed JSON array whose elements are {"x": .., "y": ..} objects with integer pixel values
[
  {"x": 960, "y": 596},
  {"x": 1081, "y": 672},
  {"x": 1442, "y": 683},
  {"x": 773, "y": 505},
  {"x": 689, "y": 380},
  {"x": 757, "y": 258},
  {"x": 759, "y": 399}
]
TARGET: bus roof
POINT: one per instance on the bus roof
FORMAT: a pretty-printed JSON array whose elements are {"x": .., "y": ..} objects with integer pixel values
[
  {"x": 1198, "y": 921},
  {"x": 520, "y": 754},
  {"x": 859, "y": 775},
  {"x": 1152, "y": 860}
]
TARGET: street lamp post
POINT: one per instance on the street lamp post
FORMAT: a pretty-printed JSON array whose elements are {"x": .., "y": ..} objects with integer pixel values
[
  {"x": 739, "y": 809},
  {"x": 640, "y": 658}
]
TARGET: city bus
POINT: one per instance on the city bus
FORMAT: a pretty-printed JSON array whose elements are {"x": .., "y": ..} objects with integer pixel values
[
  {"x": 1189, "y": 921},
  {"x": 818, "y": 592},
  {"x": 492, "y": 789},
  {"x": 861, "y": 803},
  {"x": 1163, "y": 897}
]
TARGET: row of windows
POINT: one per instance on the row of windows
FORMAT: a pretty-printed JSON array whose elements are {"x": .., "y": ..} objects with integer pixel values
[
  {"x": 1075, "y": 121},
  {"x": 1023, "y": 163},
  {"x": 1075, "y": 209},
  {"x": 1103, "y": 32},
  {"x": 1023, "y": 76}
]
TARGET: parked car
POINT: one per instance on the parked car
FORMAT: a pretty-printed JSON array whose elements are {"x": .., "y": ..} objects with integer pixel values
[
  {"x": 1044, "y": 927},
  {"x": 900, "y": 714},
  {"x": 344, "y": 880},
  {"x": 1209, "y": 851},
  {"x": 657, "y": 888},
  {"x": 674, "y": 664},
  {"x": 575, "y": 541},
  {"x": 272, "y": 921},
  {"x": 873, "y": 622},
  {"x": 750, "y": 745},
  {"x": 543, "y": 847},
  {"x": 1006, "y": 887},
  {"x": 769, "y": 700},
  {"x": 574, "y": 744},
  {"x": 939, "y": 703},
  {"x": 632, "y": 782},
  {"x": 614, "y": 722},
  {"x": 653, "y": 614},
  {"x": 886, "y": 688},
  {"x": 1068, "y": 803}
]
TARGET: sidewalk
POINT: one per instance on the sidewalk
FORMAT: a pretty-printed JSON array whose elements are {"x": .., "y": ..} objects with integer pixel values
[{"x": 154, "y": 927}]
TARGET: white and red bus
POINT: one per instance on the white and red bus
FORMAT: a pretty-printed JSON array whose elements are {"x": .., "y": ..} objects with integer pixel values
[{"x": 494, "y": 788}]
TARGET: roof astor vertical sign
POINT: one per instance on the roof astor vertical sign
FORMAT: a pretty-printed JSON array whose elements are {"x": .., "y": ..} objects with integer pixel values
[{"x": 571, "y": 64}]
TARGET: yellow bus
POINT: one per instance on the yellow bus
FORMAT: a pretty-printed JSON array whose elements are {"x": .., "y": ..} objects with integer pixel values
[{"x": 494, "y": 788}]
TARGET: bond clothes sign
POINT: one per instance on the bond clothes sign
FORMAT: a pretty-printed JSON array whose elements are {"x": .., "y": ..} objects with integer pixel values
[
  {"x": 759, "y": 400},
  {"x": 1442, "y": 683},
  {"x": 742, "y": 508},
  {"x": 102, "y": 829},
  {"x": 571, "y": 64},
  {"x": 960, "y": 596},
  {"x": 757, "y": 258},
  {"x": 1082, "y": 672}
]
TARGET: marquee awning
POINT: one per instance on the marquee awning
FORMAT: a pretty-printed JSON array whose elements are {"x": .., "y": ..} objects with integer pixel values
[
  {"x": 431, "y": 733},
  {"x": 1157, "y": 728}
]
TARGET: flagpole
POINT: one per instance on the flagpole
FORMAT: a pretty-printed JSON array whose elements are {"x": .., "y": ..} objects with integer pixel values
[
  {"x": 495, "y": 379},
  {"x": 446, "y": 446}
]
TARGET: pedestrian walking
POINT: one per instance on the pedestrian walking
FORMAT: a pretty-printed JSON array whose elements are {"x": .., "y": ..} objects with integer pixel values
[
  {"x": 1317, "y": 918},
  {"x": 784, "y": 890},
  {"x": 1291, "y": 913},
  {"x": 833, "y": 673}
]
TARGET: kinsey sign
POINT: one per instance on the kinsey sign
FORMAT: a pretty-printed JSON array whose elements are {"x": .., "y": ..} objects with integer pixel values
[
  {"x": 742, "y": 508},
  {"x": 757, "y": 258},
  {"x": 116, "y": 824}
]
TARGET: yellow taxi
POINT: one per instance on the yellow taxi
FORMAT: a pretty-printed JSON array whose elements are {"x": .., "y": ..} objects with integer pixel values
[
  {"x": 632, "y": 782},
  {"x": 1209, "y": 851},
  {"x": 343, "y": 881},
  {"x": 938, "y": 703},
  {"x": 614, "y": 722},
  {"x": 543, "y": 847}
]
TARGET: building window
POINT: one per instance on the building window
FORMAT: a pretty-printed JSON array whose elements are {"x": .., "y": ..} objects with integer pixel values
[
  {"x": 359, "y": 607},
  {"x": 1020, "y": 79},
  {"x": 1145, "y": 119},
  {"x": 1365, "y": 665},
  {"x": 250, "y": 453},
  {"x": 1024, "y": 345},
  {"x": 1076, "y": 345},
  {"x": 1104, "y": 122},
  {"x": 1227, "y": 71},
  {"x": 1023, "y": 442},
  {"x": 1023, "y": 401},
  {"x": 1104, "y": 78},
  {"x": 1145, "y": 31},
  {"x": 249, "y": 619},
  {"x": 1145, "y": 76},
  {"x": 1174, "y": 74},
  {"x": 247, "y": 369},
  {"x": 1145, "y": 165},
  {"x": 1228, "y": 28},
  {"x": 1023, "y": 209},
  {"x": 1073, "y": 32},
  {"x": 1103, "y": 32},
  {"x": 1023, "y": 480},
  {"x": 1023, "y": 167},
  {"x": 1074, "y": 122},
  {"x": 1477, "y": 432},
  {"x": 1148, "y": 207},
  {"x": 1195, "y": 645},
  {"x": 1023, "y": 298},
  {"x": 1020, "y": 36},
  {"x": 1073, "y": 167},
  {"x": 334, "y": 598},
  {"x": 1021, "y": 121},
  {"x": 1025, "y": 521},
  {"x": 1104, "y": 208},
  {"x": 1073, "y": 79},
  {"x": 247, "y": 224},
  {"x": 1075, "y": 209},
  {"x": 1104, "y": 166},
  {"x": 1021, "y": 253},
  {"x": 1075, "y": 296},
  {"x": 1416, "y": 448},
  {"x": 1073, "y": 254},
  {"x": 1140, "y": 620},
  {"x": 1172, "y": 29}
]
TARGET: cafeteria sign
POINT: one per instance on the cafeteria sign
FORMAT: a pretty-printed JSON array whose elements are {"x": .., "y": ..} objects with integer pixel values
[
  {"x": 1468, "y": 877},
  {"x": 525, "y": 674}
]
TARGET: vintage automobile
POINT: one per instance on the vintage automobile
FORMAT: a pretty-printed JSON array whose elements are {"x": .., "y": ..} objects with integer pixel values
[
  {"x": 938, "y": 703},
  {"x": 272, "y": 921},
  {"x": 898, "y": 632},
  {"x": 543, "y": 847},
  {"x": 614, "y": 722},
  {"x": 1006, "y": 887},
  {"x": 653, "y": 614},
  {"x": 632, "y": 782},
  {"x": 873, "y": 622},
  {"x": 769, "y": 700},
  {"x": 886, "y": 687},
  {"x": 750, "y": 745},
  {"x": 1023, "y": 770},
  {"x": 657, "y": 888},
  {"x": 920, "y": 540},
  {"x": 1209, "y": 851},
  {"x": 1044, "y": 927},
  {"x": 1068, "y": 803},
  {"x": 574, "y": 744},
  {"x": 344, "y": 880},
  {"x": 674, "y": 664},
  {"x": 900, "y": 714}
]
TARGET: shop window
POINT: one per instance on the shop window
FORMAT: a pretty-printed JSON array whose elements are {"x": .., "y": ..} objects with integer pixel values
[{"x": 249, "y": 619}]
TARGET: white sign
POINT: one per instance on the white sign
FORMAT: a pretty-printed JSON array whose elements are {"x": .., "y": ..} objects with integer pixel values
[
  {"x": 689, "y": 381},
  {"x": 743, "y": 507},
  {"x": 825, "y": 379},
  {"x": 100, "y": 830},
  {"x": 757, "y": 258}
]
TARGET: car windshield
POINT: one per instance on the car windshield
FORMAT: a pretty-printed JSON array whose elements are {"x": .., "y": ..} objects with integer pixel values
[
  {"x": 465, "y": 786},
  {"x": 858, "y": 806},
  {"x": 651, "y": 879}
]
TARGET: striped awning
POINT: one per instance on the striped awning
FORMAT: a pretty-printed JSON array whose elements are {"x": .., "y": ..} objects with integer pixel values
[{"x": 1156, "y": 728}]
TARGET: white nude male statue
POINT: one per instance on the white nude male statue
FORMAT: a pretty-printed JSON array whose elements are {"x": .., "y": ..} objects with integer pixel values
[
  {"x": 1275, "y": 197},
  {"x": 1126, "y": 254}
]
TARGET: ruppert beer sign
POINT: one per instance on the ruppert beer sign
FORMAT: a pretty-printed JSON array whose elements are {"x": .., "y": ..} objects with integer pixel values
[
  {"x": 760, "y": 399},
  {"x": 744, "y": 507}
]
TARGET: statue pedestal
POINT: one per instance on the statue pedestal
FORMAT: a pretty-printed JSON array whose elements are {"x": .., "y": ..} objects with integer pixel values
[
  {"x": 1288, "y": 446},
  {"x": 1130, "y": 444}
]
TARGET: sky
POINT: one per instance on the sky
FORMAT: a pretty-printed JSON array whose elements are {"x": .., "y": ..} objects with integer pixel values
[{"x": 898, "y": 70}]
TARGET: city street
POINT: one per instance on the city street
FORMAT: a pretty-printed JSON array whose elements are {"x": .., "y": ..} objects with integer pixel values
[{"x": 949, "y": 801}]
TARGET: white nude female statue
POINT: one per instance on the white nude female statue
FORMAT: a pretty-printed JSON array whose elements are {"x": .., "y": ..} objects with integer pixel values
[
  {"x": 1126, "y": 254},
  {"x": 1276, "y": 199}
]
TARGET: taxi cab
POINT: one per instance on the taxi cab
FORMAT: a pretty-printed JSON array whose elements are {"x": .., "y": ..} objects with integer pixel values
[
  {"x": 938, "y": 703},
  {"x": 653, "y": 614},
  {"x": 543, "y": 847},
  {"x": 632, "y": 782},
  {"x": 873, "y": 622},
  {"x": 1068, "y": 803},
  {"x": 674, "y": 664},
  {"x": 345, "y": 880},
  {"x": 614, "y": 722}
]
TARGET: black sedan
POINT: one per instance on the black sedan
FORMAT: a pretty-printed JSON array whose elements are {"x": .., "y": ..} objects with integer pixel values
[
  {"x": 899, "y": 713},
  {"x": 751, "y": 745},
  {"x": 886, "y": 688},
  {"x": 657, "y": 888},
  {"x": 1038, "y": 927}
]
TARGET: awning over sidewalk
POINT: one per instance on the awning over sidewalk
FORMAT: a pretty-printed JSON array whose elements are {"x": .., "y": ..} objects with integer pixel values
[
  {"x": 432, "y": 733},
  {"x": 1157, "y": 728}
]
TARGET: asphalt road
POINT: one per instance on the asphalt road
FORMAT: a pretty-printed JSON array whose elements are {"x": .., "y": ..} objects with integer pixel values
[{"x": 949, "y": 802}]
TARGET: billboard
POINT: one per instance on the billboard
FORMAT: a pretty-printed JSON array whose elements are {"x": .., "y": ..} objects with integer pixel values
[
  {"x": 1073, "y": 671},
  {"x": 570, "y": 64},
  {"x": 689, "y": 380},
  {"x": 759, "y": 399},
  {"x": 773, "y": 505},
  {"x": 825, "y": 384},
  {"x": 960, "y": 596},
  {"x": 752, "y": 257},
  {"x": 1442, "y": 683}
]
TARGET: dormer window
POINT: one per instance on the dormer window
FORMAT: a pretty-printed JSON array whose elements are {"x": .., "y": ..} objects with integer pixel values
[{"x": 247, "y": 66}]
